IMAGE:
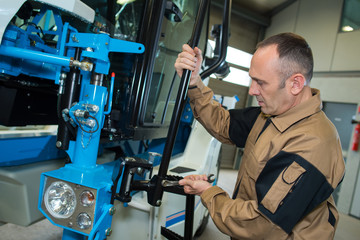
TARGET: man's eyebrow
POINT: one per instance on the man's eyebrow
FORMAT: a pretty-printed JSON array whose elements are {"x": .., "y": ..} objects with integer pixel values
[{"x": 254, "y": 78}]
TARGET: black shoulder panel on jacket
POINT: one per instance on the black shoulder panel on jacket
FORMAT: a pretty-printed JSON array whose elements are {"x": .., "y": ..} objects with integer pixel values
[
  {"x": 241, "y": 122},
  {"x": 305, "y": 192}
]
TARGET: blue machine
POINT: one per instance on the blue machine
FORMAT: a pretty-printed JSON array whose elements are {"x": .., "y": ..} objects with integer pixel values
[
  {"x": 77, "y": 196},
  {"x": 95, "y": 111}
]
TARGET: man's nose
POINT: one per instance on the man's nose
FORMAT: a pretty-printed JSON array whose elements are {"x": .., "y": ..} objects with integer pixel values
[{"x": 254, "y": 90}]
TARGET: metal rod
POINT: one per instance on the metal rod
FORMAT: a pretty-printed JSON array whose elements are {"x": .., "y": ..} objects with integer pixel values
[
  {"x": 189, "y": 217},
  {"x": 35, "y": 56},
  {"x": 182, "y": 94},
  {"x": 157, "y": 191}
]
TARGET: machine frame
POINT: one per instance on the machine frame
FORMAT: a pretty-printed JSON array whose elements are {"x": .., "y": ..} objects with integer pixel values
[{"x": 78, "y": 63}]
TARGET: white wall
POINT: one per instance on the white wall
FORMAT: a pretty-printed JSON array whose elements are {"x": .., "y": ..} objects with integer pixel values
[
  {"x": 318, "y": 22},
  {"x": 347, "y": 52},
  {"x": 338, "y": 88}
]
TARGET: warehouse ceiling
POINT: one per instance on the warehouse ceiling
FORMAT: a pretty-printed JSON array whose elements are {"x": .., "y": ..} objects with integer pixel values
[
  {"x": 266, "y": 8},
  {"x": 259, "y": 11}
]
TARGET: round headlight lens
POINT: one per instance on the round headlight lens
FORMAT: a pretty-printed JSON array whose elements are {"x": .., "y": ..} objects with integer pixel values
[
  {"x": 83, "y": 221},
  {"x": 60, "y": 200},
  {"x": 87, "y": 198}
]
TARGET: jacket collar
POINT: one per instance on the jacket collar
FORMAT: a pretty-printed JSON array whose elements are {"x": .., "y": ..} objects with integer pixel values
[{"x": 299, "y": 112}]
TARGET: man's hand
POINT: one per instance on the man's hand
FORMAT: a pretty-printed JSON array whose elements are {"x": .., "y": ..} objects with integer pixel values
[
  {"x": 195, "y": 184},
  {"x": 189, "y": 59}
]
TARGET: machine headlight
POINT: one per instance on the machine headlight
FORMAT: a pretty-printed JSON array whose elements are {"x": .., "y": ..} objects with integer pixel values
[
  {"x": 87, "y": 198},
  {"x": 60, "y": 200},
  {"x": 69, "y": 204},
  {"x": 83, "y": 221}
]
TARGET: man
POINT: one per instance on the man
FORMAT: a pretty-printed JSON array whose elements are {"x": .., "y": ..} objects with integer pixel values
[{"x": 292, "y": 159}]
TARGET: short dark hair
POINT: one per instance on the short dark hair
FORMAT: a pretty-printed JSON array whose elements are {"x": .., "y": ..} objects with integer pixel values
[{"x": 294, "y": 53}]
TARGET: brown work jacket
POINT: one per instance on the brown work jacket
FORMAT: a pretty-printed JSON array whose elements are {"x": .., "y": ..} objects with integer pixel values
[{"x": 291, "y": 165}]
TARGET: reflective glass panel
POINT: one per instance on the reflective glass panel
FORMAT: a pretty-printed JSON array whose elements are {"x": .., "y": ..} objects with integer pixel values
[{"x": 165, "y": 82}]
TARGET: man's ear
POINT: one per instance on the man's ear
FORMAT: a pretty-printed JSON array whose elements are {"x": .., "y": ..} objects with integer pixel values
[{"x": 298, "y": 82}]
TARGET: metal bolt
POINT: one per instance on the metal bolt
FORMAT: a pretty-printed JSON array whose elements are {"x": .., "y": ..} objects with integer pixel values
[
  {"x": 70, "y": 224},
  {"x": 108, "y": 232},
  {"x": 74, "y": 38},
  {"x": 65, "y": 111},
  {"x": 85, "y": 66},
  {"x": 112, "y": 211},
  {"x": 63, "y": 75},
  {"x": 62, "y": 83},
  {"x": 158, "y": 202},
  {"x": 58, "y": 144}
]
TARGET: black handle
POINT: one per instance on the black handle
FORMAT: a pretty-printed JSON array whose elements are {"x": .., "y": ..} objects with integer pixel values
[
  {"x": 224, "y": 39},
  {"x": 156, "y": 197}
]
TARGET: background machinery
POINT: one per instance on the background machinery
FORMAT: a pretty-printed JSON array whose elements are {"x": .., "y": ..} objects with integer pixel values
[{"x": 95, "y": 120}]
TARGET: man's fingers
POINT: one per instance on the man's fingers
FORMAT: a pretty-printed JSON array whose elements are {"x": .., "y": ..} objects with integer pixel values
[
  {"x": 194, "y": 52},
  {"x": 187, "y": 48},
  {"x": 185, "y": 63},
  {"x": 186, "y": 181},
  {"x": 182, "y": 63},
  {"x": 188, "y": 57},
  {"x": 198, "y": 53}
]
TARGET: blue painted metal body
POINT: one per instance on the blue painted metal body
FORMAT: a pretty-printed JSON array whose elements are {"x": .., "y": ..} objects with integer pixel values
[
  {"x": 26, "y": 53},
  {"x": 42, "y": 61},
  {"x": 83, "y": 152},
  {"x": 30, "y": 55},
  {"x": 24, "y": 150},
  {"x": 16, "y": 39}
]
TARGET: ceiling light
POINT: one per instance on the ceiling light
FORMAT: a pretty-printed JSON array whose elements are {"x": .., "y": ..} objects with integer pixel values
[{"x": 347, "y": 29}]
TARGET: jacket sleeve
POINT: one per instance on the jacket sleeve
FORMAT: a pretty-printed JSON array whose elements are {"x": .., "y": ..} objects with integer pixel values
[
  {"x": 209, "y": 113},
  {"x": 231, "y": 127},
  {"x": 237, "y": 218}
]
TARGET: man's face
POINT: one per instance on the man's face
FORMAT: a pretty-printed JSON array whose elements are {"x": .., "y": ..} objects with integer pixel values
[{"x": 266, "y": 81}]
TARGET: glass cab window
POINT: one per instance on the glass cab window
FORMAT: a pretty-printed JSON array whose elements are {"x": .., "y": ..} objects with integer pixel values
[
  {"x": 165, "y": 82},
  {"x": 176, "y": 29}
]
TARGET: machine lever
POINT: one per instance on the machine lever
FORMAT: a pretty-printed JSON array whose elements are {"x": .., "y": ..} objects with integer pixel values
[{"x": 168, "y": 183}]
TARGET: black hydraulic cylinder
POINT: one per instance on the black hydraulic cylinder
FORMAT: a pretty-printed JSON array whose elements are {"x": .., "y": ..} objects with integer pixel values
[{"x": 70, "y": 95}]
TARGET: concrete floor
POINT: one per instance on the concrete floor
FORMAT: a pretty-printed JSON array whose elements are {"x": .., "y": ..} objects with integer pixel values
[{"x": 348, "y": 228}]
